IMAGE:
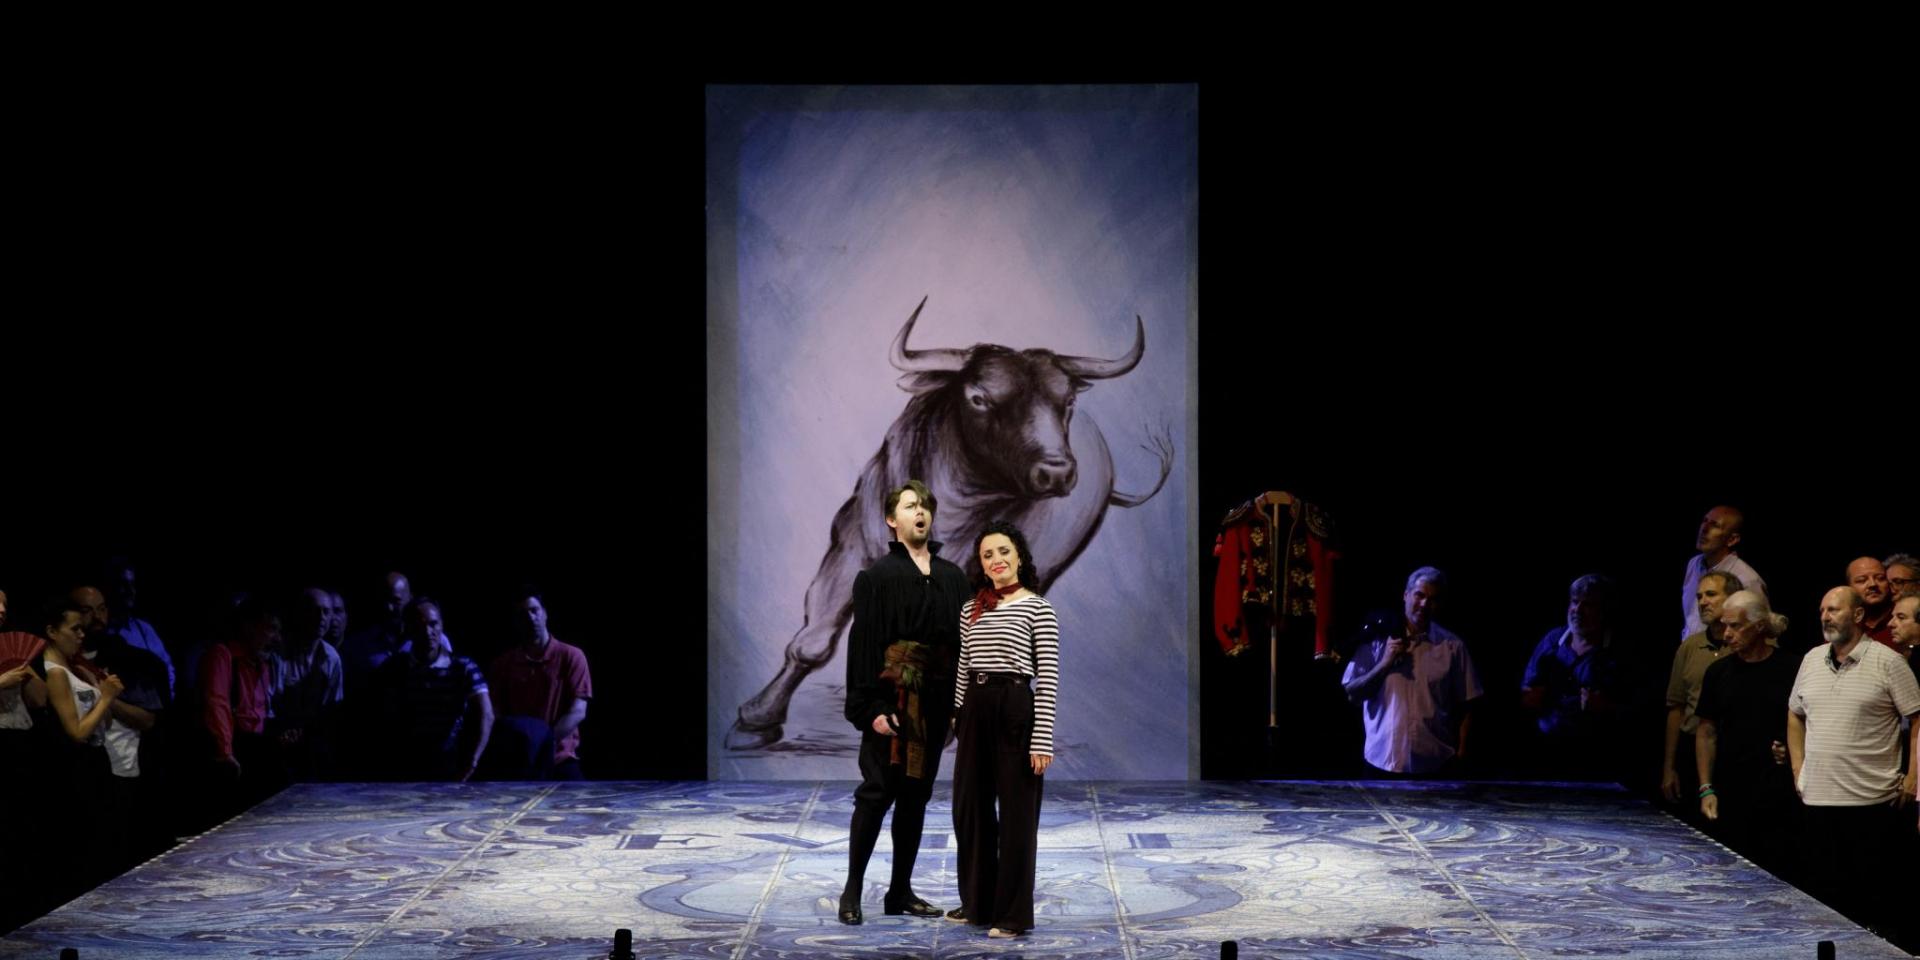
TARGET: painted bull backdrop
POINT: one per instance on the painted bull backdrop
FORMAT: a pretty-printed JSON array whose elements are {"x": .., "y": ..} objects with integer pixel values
[
  {"x": 1060, "y": 246},
  {"x": 988, "y": 430}
]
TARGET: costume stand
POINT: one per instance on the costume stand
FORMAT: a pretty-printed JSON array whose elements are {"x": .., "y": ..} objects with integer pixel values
[{"x": 1275, "y": 569}]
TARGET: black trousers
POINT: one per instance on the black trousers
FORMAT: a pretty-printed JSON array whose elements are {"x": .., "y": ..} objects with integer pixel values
[
  {"x": 883, "y": 785},
  {"x": 1849, "y": 864},
  {"x": 1761, "y": 818},
  {"x": 994, "y": 766},
  {"x": 521, "y": 748}
]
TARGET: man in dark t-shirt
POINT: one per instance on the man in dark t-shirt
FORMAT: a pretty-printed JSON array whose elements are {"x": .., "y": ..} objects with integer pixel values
[{"x": 1745, "y": 792}]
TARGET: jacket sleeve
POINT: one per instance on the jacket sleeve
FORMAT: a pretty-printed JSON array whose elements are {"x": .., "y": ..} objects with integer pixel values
[
  {"x": 1323, "y": 557},
  {"x": 1046, "y": 682},
  {"x": 868, "y": 696},
  {"x": 1229, "y": 622}
]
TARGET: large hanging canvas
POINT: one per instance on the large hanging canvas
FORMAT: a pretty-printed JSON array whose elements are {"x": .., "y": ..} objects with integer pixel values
[{"x": 991, "y": 290}]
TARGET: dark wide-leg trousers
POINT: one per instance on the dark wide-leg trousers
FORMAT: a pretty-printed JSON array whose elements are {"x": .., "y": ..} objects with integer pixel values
[
  {"x": 996, "y": 854},
  {"x": 882, "y": 784}
]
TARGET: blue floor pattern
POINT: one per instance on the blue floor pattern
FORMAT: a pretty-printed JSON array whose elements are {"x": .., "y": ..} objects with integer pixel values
[{"x": 1134, "y": 871}]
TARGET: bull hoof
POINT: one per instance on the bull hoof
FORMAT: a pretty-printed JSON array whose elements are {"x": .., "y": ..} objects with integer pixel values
[{"x": 740, "y": 736}]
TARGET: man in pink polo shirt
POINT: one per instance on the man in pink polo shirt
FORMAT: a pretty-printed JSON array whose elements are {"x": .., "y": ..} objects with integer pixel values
[{"x": 541, "y": 679}]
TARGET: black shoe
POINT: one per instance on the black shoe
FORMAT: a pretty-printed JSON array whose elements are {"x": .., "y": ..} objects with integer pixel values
[
  {"x": 957, "y": 915},
  {"x": 850, "y": 915},
  {"x": 916, "y": 907}
]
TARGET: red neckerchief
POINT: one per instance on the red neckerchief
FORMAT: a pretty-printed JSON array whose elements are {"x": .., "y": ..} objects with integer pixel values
[{"x": 989, "y": 598}]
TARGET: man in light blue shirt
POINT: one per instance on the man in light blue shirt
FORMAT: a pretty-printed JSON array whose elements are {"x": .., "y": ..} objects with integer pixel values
[{"x": 1415, "y": 686}]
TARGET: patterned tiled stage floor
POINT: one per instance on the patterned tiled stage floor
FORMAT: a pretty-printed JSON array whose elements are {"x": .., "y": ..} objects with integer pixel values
[{"x": 1131, "y": 871}]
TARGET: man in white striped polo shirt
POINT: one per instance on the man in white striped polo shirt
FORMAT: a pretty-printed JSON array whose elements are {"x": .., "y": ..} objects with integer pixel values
[{"x": 1843, "y": 738}]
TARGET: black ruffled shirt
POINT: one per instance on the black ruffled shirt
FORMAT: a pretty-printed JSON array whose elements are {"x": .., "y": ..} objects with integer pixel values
[{"x": 893, "y": 601}]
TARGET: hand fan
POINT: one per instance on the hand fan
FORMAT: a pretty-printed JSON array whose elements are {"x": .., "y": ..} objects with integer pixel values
[{"x": 18, "y": 647}]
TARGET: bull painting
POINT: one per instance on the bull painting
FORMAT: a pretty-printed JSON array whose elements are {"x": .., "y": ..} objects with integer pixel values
[{"x": 993, "y": 431}]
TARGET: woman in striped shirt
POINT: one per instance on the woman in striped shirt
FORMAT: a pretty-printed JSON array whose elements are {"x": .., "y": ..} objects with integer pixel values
[{"x": 1009, "y": 638}]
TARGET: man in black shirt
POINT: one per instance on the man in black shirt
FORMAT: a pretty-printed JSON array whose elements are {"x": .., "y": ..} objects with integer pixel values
[
  {"x": 901, "y": 652},
  {"x": 1745, "y": 793}
]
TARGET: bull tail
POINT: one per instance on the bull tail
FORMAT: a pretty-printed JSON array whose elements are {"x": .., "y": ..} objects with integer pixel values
[{"x": 1160, "y": 444}]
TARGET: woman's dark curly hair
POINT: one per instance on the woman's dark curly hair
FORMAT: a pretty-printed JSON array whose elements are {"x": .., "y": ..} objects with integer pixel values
[{"x": 1028, "y": 573}]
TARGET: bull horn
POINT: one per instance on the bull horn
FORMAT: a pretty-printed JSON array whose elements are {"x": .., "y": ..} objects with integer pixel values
[
  {"x": 923, "y": 361},
  {"x": 1088, "y": 368}
]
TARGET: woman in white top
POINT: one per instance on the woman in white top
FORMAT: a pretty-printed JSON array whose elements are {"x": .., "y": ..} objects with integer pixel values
[
  {"x": 1004, "y": 693},
  {"x": 82, "y": 694}
]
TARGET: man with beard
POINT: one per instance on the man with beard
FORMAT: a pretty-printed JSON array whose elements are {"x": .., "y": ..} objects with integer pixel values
[
  {"x": 144, "y": 676},
  {"x": 1868, "y": 577},
  {"x": 902, "y": 650},
  {"x": 141, "y": 707},
  {"x": 1720, "y": 533},
  {"x": 1843, "y": 739},
  {"x": 1577, "y": 686}
]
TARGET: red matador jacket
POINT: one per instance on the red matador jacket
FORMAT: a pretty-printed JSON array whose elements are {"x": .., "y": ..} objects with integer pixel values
[{"x": 1261, "y": 573}]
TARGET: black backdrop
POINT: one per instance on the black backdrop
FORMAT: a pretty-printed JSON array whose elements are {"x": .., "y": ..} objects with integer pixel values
[
  {"x": 1530, "y": 330},
  {"x": 1513, "y": 329}
]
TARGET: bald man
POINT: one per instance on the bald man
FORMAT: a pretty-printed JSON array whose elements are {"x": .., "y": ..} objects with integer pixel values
[
  {"x": 1868, "y": 578},
  {"x": 1843, "y": 739},
  {"x": 370, "y": 646}
]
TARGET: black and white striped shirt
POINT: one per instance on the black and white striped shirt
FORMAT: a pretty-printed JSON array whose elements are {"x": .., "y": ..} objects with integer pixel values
[{"x": 1018, "y": 636}]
